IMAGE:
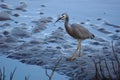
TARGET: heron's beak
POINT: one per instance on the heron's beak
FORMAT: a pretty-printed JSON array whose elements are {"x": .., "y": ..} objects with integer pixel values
[{"x": 58, "y": 19}]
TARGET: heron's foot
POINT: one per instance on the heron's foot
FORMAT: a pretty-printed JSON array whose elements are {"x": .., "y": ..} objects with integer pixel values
[
  {"x": 70, "y": 59},
  {"x": 80, "y": 54}
]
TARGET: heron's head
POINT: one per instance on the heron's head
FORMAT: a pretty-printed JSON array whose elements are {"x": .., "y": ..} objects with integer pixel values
[{"x": 63, "y": 16}]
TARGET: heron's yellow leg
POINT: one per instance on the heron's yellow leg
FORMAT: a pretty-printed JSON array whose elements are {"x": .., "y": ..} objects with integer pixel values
[
  {"x": 80, "y": 50},
  {"x": 74, "y": 54}
]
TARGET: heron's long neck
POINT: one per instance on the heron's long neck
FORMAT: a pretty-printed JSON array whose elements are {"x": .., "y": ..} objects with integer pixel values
[{"x": 67, "y": 27}]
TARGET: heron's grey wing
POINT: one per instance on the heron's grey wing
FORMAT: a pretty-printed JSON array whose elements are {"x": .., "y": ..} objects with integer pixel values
[{"x": 80, "y": 32}]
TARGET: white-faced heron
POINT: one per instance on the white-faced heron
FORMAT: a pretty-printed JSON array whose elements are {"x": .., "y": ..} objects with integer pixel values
[{"x": 76, "y": 31}]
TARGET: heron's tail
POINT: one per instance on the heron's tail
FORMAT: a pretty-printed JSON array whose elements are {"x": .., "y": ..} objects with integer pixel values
[{"x": 92, "y": 36}]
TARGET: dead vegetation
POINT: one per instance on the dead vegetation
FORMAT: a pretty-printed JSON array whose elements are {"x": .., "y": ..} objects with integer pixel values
[
  {"x": 3, "y": 74},
  {"x": 53, "y": 70},
  {"x": 11, "y": 75},
  {"x": 107, "y": 70}
]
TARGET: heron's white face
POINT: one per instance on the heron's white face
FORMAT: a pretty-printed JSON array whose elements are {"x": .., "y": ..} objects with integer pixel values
[{"x": 63, "y": 16}]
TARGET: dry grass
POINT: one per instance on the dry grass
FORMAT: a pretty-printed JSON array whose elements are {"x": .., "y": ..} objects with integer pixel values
[
  {"x": 107, "y": 70},
  {"x": 53, "y": 70},
  {"x": 11, "y": 75},
  {"x": 3, "y": 74}
]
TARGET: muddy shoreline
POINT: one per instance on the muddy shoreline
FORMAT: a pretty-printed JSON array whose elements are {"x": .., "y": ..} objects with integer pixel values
[{"x": 38, "y": 41}]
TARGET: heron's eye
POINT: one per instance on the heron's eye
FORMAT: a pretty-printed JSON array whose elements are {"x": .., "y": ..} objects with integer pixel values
[{"x": 63, "y": 16}]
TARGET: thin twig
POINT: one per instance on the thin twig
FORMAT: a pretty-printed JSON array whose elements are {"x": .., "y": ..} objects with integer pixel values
[
  {"x": 97, "y": 75},
  {"x": 12, "y": 74},
  {"x": 3, "y": 74},
  {"x": 110, "y": 77},
  {"x": 101, "y": 69},
  {"x": 0, "y": 74},
  {"x": 53, "y": 70},
  {"x": 115, "y": 55},
  {"x": 46, "y": 73},
  {"x": 118, "y": 62},
  {"x": 114, "y": 69},
  {"x": 26, "y": 77}
]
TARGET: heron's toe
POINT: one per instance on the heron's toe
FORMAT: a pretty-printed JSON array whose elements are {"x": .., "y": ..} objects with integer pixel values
[
  {"x": 70, "y": 59},
  {"x": 80, "y": 55}
]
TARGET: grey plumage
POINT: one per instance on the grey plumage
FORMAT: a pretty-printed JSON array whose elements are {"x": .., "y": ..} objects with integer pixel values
[
  {"x": 80, "y": 32},
  {"x": 77, "y": 31}
]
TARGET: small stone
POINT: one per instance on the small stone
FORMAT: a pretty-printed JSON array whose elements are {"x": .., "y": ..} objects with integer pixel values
[
  {"x": 16, "y": 22},
  {"x": 96, "y": 43},
  {"x": 99, "y": 19},
  {"x": 5, "y": 32},
  {"x": 34, "y": 42},
  {"x": 16, "y": 15},
  {"x": 58, "y": 47},
  {"x": 90, "y": 56},
  {"x": 82, "y": 23},
  {"x": 23, "y": 61},
  {"x": 41, "y": 13},
  {"x": 117, "y": 30},
  {"x": 42, "y": 5}
]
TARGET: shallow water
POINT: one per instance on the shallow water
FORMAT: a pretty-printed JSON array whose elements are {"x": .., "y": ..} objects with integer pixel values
[{"x": 32, "y": 71}]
